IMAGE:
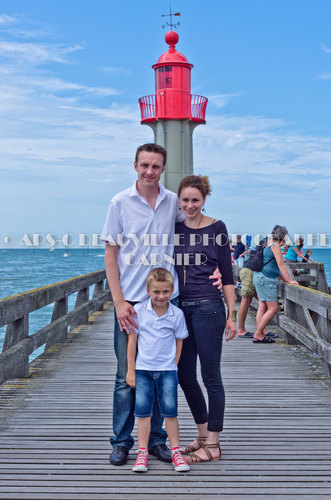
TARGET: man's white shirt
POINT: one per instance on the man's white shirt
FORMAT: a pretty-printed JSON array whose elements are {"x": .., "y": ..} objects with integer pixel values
[{"x": 145, "y": 237}]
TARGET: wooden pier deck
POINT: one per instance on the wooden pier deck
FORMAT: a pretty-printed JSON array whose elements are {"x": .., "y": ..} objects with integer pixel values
[{"x": 55, "y": 426}]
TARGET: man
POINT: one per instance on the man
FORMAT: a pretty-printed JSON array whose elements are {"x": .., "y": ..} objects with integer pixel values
[
  {"x": 247, "y": 293},
  {"x": 239, "y": 252},
  {"x": 138, "y": 231}
]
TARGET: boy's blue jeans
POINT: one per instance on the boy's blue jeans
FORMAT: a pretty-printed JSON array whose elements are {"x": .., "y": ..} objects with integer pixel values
[
  {"x": 124, "y": 399},
  {"x": 160, "y": 385}
]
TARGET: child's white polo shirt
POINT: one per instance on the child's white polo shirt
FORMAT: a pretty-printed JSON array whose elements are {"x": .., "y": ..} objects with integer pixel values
[{"x": 157, "y": 337}]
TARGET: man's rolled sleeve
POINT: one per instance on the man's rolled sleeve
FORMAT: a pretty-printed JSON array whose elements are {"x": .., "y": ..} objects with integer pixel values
[{"x": 113, "y": 225}]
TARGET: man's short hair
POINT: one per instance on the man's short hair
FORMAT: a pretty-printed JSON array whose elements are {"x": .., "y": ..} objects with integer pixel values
[
  {"x": 152, "y": 148},
  {"x": 159, "y": 274}
]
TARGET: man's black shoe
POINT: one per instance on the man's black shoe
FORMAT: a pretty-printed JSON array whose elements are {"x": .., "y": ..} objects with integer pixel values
[
  {"x": 119, "y": 455},
  {"x": 161, "y": 451}
]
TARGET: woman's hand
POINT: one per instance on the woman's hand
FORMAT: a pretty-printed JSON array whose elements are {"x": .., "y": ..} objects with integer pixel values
[
  {"x": 230, "y": 329},
  {"x": 293, "y": 282}
]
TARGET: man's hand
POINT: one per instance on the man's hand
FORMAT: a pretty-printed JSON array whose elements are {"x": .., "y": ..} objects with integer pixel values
[
  {"x": 125, "y": 316},
  {"x": 218, "y": 277},
  {"x": 131, "y": 378},
  {"x": 230, "y": 329}
]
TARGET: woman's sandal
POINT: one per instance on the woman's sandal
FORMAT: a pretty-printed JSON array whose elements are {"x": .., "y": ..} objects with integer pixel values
[
  {"x": 190, "y": 448},
  {"x": 195, "y": 459}
]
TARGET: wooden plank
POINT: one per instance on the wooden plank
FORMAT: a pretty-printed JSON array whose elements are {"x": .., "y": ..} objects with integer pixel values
[{"x": 54, "y": 442}]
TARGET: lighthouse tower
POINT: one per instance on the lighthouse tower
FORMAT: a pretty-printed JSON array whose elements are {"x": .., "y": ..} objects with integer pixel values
[{"x": 173, "y": 112}]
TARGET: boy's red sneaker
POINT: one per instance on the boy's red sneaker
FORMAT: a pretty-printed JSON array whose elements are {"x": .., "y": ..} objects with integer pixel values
[
  {"x": 141, "y": 462},
  {"x": 178, "y": 461}
]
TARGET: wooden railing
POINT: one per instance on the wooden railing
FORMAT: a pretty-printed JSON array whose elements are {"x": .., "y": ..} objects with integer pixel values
[
  {"x": 305, "y": 315},
  {"x": 14, "y": 312},
  {"x": 306, "y": 319},
  {"x": 310, "y": 274}
]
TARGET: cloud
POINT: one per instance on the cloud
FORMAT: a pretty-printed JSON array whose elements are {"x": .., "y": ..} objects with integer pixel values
[
  {"x": 4, "y": 19},
  {"x": 264, "y": 150},
  {"x": 116, "y": 70},
  {"x": 325, "y": 49},
  {"x": 221, "y": 100},
  {"x": 55, "y": 85},
  {"x": 63, "y": 144},
  {"x": 35, "y": 53},
  {"x": 324, "y": 76}
]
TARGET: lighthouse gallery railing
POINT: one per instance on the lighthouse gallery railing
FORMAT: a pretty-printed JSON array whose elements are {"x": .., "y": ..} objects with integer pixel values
[{"x": 151, "y": 111}]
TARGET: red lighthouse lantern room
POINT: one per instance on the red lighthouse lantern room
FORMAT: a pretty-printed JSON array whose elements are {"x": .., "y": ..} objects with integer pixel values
[{"x": 173, "y": 99}]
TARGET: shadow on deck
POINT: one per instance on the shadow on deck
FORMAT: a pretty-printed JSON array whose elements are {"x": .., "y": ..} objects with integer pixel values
[{"x": 55, "y": 426}]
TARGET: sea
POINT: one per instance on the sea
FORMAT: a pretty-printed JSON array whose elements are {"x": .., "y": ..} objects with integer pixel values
[{"x": 25, "y": 269}]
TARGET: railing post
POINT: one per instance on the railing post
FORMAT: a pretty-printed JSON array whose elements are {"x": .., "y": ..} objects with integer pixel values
[
  {"x": 98, "y": 290},
  {"x": 82, "y": 297},
  {"x": 16, "y": 361},
  {"x": 60, "y": 309},
  {"x": 290, "y": 311},
  {"x": 16, "y": 331}
]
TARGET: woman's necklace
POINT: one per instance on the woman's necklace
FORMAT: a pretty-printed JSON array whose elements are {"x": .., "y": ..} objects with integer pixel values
[{"x": 185, "y": 267}]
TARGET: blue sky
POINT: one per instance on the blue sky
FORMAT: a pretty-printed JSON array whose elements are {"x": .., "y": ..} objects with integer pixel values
[{"x": 71, "y": 74}]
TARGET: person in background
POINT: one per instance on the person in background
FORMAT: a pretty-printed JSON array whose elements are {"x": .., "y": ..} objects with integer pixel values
[
  {"x": 307, "y": 257},
  {"x": 239, "y": 252},
  {"x": 248, "y": 292},
  {"x": 294, "y": 251},
  {"x": 266, "y": 283},
  {"x": 232, "y": 251},
  {"x": 285, "y": 248}
]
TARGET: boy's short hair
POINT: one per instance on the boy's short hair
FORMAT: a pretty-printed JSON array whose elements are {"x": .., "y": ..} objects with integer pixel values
[{"x": 159, "y": 274}]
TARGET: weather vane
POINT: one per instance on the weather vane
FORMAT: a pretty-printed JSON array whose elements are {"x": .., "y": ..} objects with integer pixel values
[{"x": 171, "y": 24}]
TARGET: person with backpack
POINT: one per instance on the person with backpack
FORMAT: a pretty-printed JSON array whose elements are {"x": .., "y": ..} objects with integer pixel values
[
  {"x": 248, "y": 290},
  {"x": 266, "y": 283}
]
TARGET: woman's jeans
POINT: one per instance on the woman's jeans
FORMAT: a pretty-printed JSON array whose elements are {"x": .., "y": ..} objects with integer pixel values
[
  {"x": 205, "y": 321},
  {"x": 124, "y": 399}
]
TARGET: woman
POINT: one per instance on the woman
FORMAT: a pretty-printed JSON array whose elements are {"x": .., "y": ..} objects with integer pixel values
[
  {"x": 294, "y": 251},
  {"x": 266, "y": 283},
  {"x": 202, "y": 244}
]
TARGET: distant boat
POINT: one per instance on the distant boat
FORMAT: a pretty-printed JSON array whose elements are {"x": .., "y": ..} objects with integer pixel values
[{"x": 66, "y": 253}]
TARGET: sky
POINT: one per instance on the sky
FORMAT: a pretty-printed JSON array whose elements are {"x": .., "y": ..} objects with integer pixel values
[{"x": 71, "y": 74}]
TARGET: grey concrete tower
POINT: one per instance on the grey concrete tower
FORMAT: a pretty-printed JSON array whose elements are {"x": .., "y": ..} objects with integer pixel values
[{"x": 173, "y": 112}]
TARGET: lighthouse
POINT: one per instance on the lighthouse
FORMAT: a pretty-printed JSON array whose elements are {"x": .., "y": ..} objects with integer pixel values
[{"x": 173, "y": 112}]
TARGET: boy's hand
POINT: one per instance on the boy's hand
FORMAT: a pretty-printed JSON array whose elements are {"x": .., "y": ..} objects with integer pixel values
[{"x": 131, "y": 378}]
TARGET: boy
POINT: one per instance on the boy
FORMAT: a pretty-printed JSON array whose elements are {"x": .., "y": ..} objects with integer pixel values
[
  {"x": 307, "y": 256},
  {"x": 160, "y": 334}
]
